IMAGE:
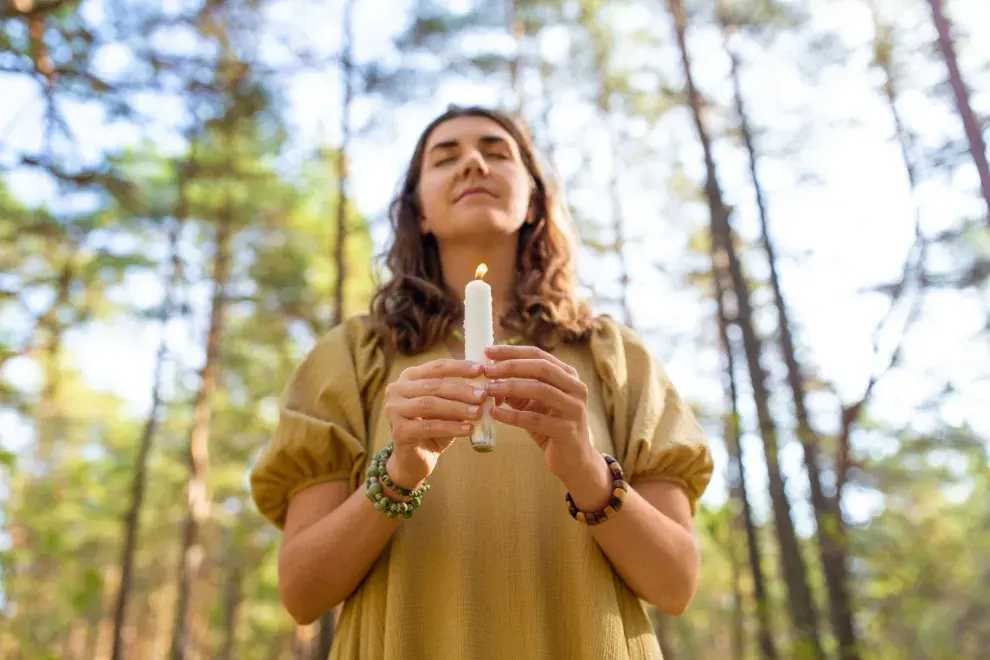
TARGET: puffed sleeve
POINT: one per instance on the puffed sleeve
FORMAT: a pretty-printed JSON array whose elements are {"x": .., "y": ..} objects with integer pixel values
[
  {"x": 655, "y": 434},
  {"x": 322, "y": 433}
]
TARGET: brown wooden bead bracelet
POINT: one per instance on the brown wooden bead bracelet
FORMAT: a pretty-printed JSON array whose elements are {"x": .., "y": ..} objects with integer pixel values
[{"x": 619, "y": 490}]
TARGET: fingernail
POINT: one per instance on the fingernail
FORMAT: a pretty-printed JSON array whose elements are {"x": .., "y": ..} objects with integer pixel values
[
  {"x": 473, "y": 409},
  {"x": 479, "y": 391},
  {"x": 489, "y": 369},
  {"x": 465, "y": 428}
]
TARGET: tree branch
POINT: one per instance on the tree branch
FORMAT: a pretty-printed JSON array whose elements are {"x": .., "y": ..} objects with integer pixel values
[{"x": 914, "y": 270}]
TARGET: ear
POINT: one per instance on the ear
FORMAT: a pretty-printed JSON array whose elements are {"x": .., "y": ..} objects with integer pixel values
[{"x": 424, "y": 226}]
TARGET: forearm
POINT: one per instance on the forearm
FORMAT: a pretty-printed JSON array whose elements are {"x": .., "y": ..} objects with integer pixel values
[
  {"x": 324, "y": 563},
  {"x": 656, "y": 556}
]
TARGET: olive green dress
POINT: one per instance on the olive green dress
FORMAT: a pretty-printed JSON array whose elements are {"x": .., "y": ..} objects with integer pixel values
[{"x": 492, "y": 565}]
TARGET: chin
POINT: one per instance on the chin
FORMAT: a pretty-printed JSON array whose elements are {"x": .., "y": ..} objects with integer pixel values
[{"x": 474, "y": 225}]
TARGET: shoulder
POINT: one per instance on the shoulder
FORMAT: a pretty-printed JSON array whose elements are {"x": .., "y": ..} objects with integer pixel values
[
  {"x": 607, "y": 327},
  {"x": 354, "y": 330},
  {"x": 616, "y": 347},
  {"x": 351, "y": 346},
  {"x": 348, "y": 337}
]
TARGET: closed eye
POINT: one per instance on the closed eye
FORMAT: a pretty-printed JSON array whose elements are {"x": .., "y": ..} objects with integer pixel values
[{"x": 444, "y": 161}]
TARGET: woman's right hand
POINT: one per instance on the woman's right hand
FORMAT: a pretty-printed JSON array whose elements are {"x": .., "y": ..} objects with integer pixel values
[{"x": 428, "y": 407}]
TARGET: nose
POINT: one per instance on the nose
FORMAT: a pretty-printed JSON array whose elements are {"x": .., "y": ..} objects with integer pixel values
[{"x": 474, "y": 163}]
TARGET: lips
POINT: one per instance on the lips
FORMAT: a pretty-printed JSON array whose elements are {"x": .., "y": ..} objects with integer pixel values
[{"x": 476, "y": 190}]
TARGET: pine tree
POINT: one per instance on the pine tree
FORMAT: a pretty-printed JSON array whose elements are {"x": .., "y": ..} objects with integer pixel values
[
  {"x": 132, "y": 519},
  {"x": 794, "y": 571},
  {"x": 831, "y": 535}
]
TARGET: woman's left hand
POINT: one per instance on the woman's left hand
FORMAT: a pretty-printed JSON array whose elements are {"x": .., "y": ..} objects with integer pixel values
[{"x": 547, "y": 399}]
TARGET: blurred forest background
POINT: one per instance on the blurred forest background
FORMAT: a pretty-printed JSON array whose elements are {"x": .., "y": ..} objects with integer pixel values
[{"x": 789, "y": 199}]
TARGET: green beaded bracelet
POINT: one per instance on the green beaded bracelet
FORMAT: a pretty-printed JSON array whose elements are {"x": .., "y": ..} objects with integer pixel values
[
  {"x": 619, "y": 490},
  {"x": 378, "y": 480}
]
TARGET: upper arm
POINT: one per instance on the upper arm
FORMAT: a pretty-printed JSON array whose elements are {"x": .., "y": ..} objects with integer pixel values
[
  {"x": 311, "y": 505},
  {"x": 669, "y": 499},
  {"x": 323, "y": 431},
  {"x": 656, "y": 435}
]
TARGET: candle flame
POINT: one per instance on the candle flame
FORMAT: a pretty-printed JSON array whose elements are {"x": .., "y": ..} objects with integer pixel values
[{"x": 480, "y": 272}]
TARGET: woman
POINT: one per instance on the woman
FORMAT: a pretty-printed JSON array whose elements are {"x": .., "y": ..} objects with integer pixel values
[{"x": 492, "y": 561}]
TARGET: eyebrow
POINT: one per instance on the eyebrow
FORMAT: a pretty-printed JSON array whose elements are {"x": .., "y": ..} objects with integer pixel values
[{"x": 485, "y": 139}]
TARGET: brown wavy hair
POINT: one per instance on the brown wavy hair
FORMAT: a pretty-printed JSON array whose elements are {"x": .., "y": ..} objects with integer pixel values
[{"x": 415, "y": 309}]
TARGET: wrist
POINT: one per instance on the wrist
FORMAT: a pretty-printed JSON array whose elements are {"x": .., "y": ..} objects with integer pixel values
[
  {"x": 403, "y": 474},
  {"x": 590, "y": 482},
  {"x": 384, "y": 493}
]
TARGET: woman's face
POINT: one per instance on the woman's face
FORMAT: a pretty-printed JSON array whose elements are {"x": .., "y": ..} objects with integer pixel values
[{"x": 473, "y": 182}]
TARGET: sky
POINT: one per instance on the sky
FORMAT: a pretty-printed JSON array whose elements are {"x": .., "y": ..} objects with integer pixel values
[{"x": 852, "y": 229}]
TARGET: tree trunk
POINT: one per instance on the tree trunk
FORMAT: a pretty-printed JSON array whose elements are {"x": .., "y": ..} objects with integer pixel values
[
  {"x": 974, "y": 132},
  {"x": 231, "y": 608},
  {"x": 794, "y": 572},
  {"x": 192, "y": 553},
  {"x": 737, "y": 495},
  {"x": 832, "y": 539},
  {"x": 665, "y": 638},
  {"x": 324, "y": 637},
  {"x": 737, "y": 474},
  {"x": 347, "y": 73},
  {"x": 132, "y": 520},
  {"x": 738, "y": 639}
]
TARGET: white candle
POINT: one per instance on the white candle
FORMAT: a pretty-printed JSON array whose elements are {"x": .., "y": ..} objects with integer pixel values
[{"x": 479, "y": 333}]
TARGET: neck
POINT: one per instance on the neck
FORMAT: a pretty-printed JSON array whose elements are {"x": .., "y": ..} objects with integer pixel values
[{"x": 460, "y": 261}]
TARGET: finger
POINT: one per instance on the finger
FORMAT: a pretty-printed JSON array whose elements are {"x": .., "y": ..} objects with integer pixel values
[
  {"x": 441, "y": 388},
  {"x": 446, "y": 368},
  {"x": 517, "y": 403},
  {"x": 504, "y": 352},
  {"x": 541, "y": 370},
  {"x": 499, "y": 400},
  {"x": 432, "y": 407},
  {"x": 543, "y": 394},
  {"x": 430, "y": 429},
  {"x": 553, "y": 427},
  {"x": 528, "y": 404}
]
